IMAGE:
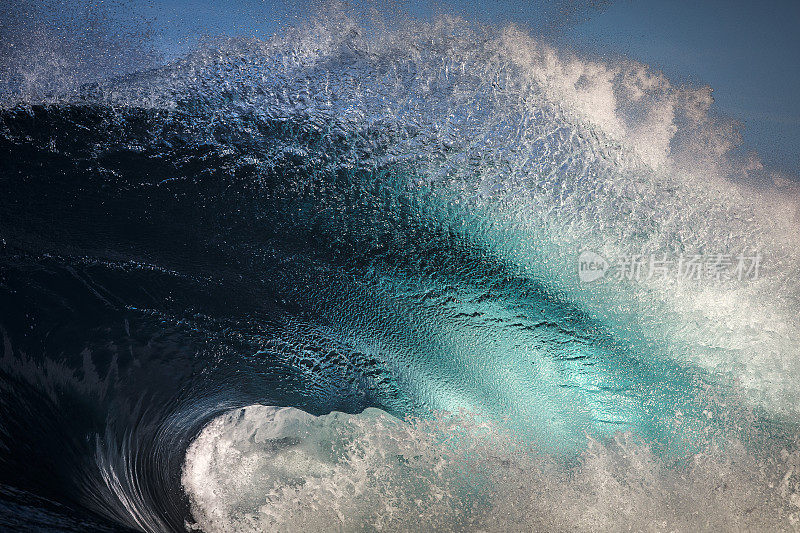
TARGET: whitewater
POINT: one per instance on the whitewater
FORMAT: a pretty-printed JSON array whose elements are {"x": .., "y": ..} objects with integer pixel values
[{"x": 329, "y": 281}]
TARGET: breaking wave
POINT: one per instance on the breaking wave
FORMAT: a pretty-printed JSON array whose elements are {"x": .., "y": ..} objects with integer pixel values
[{"x": 206, "y": 266}]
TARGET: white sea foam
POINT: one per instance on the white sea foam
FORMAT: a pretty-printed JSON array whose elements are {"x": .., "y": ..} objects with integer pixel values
[{"x": 279, "y": 469}]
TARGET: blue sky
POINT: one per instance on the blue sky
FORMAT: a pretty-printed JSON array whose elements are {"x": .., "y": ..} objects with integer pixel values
[{"x": 746, "y": 51}]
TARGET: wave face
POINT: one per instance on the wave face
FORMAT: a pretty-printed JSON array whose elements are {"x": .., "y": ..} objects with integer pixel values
[{"x": 332, "y": 278}]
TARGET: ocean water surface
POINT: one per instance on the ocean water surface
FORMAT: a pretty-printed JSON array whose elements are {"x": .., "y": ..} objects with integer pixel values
[{"x": 339, "y": 280}]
